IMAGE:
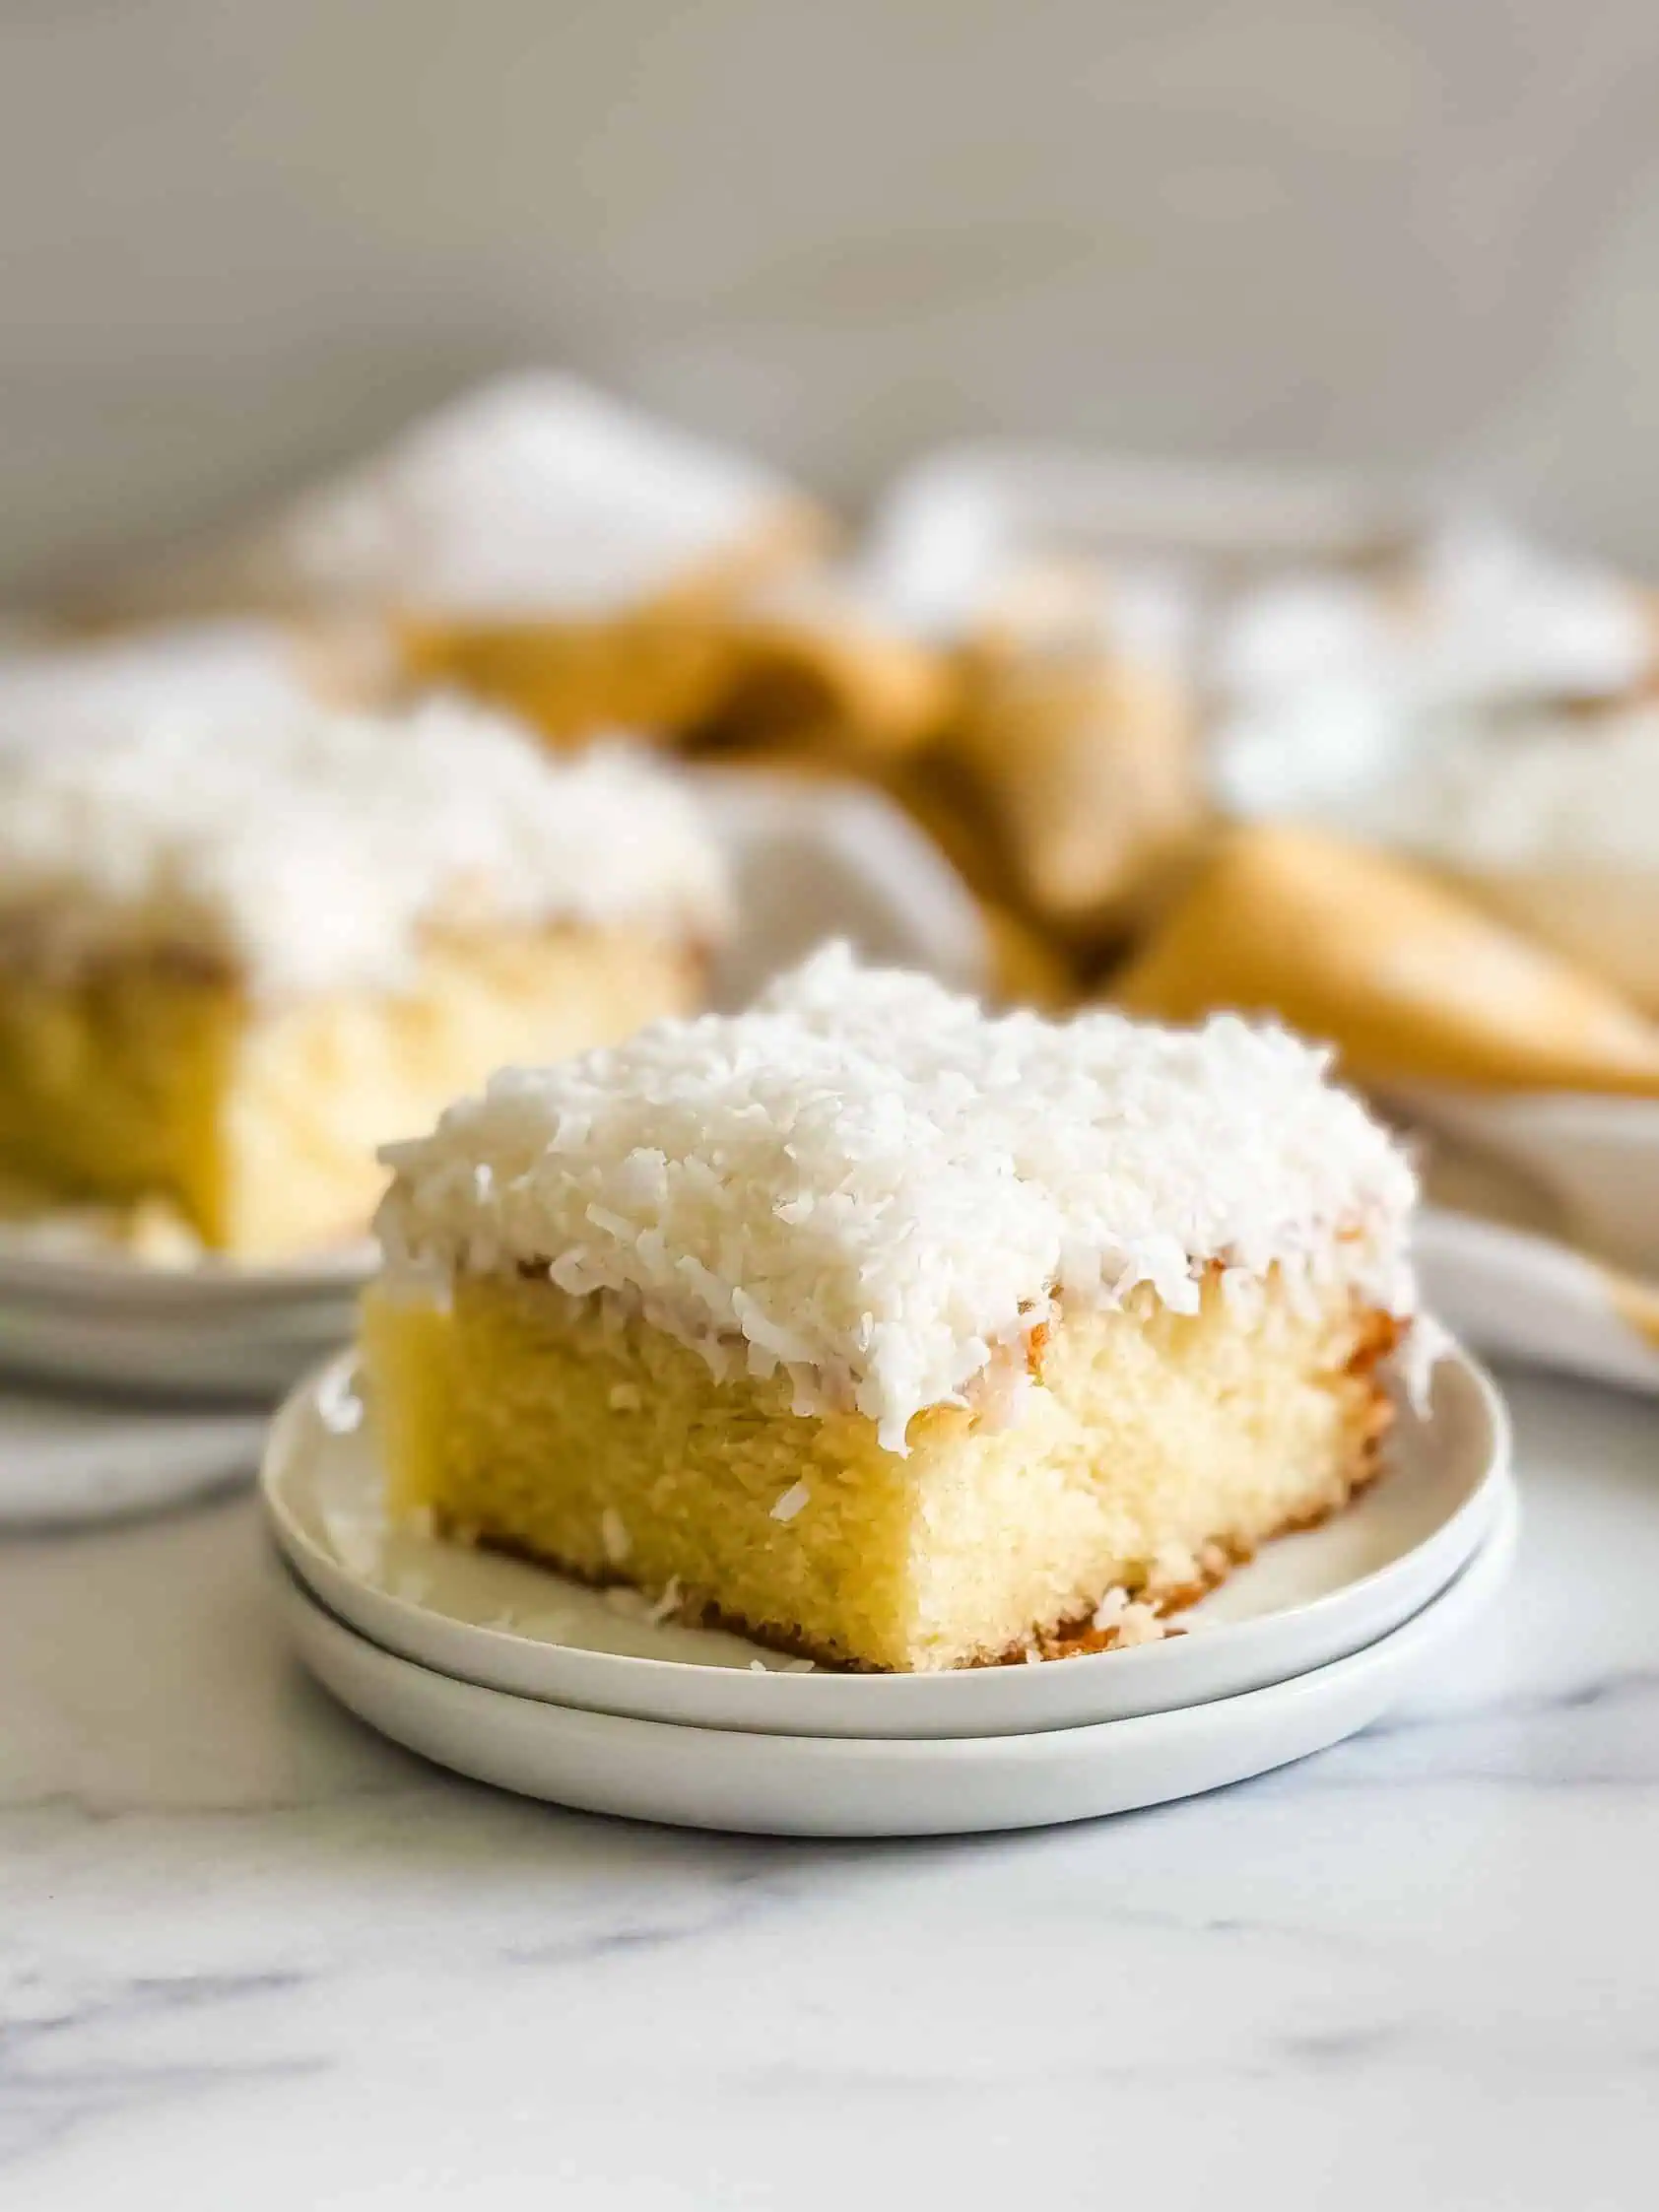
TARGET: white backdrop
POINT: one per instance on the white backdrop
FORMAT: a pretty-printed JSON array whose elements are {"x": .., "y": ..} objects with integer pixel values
[{"x": 235, "y": 238}]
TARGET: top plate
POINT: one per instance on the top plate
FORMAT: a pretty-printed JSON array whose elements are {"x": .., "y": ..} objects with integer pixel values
[{"x": 1303, "y": 1602}]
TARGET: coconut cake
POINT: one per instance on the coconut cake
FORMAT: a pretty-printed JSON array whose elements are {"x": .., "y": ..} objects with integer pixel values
[{"x": 234, "y": 960}]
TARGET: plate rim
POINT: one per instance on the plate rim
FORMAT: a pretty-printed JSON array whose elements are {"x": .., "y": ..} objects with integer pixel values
[
  {"x": 86, "y": 1284},
  {"x": 690, "y": 1768}
]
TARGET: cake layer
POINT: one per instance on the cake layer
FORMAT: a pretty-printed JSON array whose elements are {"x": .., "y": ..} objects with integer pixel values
[
  {"x": 152, "y": 1075},
  {"x": 1145, "y": 1450}
]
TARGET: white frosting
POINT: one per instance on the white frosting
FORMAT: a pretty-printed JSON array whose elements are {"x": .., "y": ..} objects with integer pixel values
[
  {"x": 869, "y": 1184},
  {"x": 1332, "y": 684},
  {"x": 1481, "y": 615},
  {"x": 63, "y": 694},
  {"x": 1543, "y": 795},
  {"x": 312, "y": 851},
  {"x": 827, "y": 600},
  {"x": 1138, "y": 608},
  {"x": 532, "y": 496}
]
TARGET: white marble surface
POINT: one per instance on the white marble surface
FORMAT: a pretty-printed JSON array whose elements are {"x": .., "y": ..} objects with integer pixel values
[{"x": 250, "y": 1956}]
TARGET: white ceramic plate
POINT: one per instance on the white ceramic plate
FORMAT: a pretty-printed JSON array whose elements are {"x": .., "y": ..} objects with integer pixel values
[
  {"x": 208, "y": 1329},
  {"x": 1304, "y": 1601},
  {"x": 837, "y": 1786},
  {"x": 216, "y": 1349},
  {"x": 67, "y": 1462},
  {"x": 1521, "y": 1296},
  {"x": 114, "y": 1282}
]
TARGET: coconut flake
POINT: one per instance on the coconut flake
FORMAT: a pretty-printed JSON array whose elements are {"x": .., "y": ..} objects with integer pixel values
[
  {"x": 614, "y": 1536},
  {"x": 665, "y": 1607},
  {"x": 1427, "y": 1342}
]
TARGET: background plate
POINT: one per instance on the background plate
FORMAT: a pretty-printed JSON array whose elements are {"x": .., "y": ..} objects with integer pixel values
[
  {"x": 67, "y": 1462},
  {"x": 212, "y": 1350}
]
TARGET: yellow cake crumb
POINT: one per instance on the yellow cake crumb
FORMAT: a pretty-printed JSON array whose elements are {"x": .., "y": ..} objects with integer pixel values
[{"x": 1148, "y": 1441}]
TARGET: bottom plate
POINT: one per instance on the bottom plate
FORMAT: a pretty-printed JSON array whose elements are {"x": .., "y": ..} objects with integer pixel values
[{"x": 824, "y": 1785}]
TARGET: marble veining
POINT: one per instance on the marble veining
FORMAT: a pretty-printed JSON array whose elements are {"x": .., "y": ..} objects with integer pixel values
[{"x": 251, "y": 1956}]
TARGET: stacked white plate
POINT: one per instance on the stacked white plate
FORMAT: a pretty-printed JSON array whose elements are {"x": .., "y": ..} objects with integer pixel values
[
  {"x": 504, "y": 1671},
  {"x": 211, "y": 1330}
]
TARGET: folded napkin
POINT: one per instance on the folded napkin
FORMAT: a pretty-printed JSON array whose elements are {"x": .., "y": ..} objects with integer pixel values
[{"x": 1409, "y": 980}]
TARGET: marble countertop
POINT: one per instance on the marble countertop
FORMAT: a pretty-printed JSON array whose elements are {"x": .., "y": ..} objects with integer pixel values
[{"x": 251, "y": 1956}]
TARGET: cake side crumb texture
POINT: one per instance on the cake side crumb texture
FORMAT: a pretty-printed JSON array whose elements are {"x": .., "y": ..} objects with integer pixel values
[
  {"x": 1153, "y": 1448},
  {"x": 137, "y": 1083},
  {"x": 871, "y": 1188}
]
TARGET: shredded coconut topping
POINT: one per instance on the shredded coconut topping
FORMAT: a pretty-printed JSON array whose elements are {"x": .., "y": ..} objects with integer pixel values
[
  {"x": 1545, "y": 795},
  {"x": 1130, "y": 1620},
  {"x": 313, "y": 852},
  {"x": 1333, "y": 686},
  {"x": 533, "y": 495},
  {"x": 868, "y": 1183},
  {"x": 59, "y": 695}
]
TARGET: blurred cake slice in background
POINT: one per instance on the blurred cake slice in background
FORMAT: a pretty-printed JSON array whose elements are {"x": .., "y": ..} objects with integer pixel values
[
  {"x": 1405, "y": 978},
  {"x": 236, "y": 959},
  {"x": 62, "y": 690},
  {"x": 1329, "y": 683},
  {"x": 534, "y": 542},
  {"x": 888, "y": 1332},
  {"x": 1552, "y": 825}
]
